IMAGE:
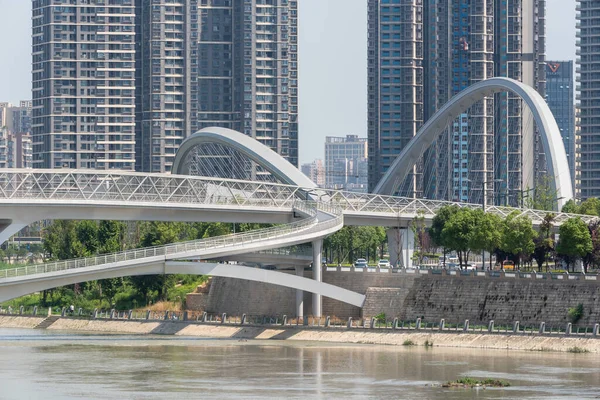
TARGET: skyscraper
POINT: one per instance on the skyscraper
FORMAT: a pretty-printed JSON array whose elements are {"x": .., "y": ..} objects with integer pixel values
[
  {"x": 345, "y": 162},
  {"x": 588, "y": 97},
  {"x": 248, "y": 70},
  {"x": 560, "y": 97},
  {"x": 83, "y": 84},
  {"x": 421, "y": 53},
  {"x": 315, "y": 171},
  {"x": 121, "y": 83},
  {"x": 166, "y": 73}
]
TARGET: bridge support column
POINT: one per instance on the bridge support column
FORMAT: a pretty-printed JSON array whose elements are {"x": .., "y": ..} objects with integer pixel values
[
  {"x": 317, "y": 247},
  {"x": 299, "y": 294},
  {"x": 401, "y": 245}
]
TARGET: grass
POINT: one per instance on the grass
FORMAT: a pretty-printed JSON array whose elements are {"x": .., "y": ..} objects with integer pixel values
[
  {"x": 468, "y": 382},
  {"x": 577, "y": 350},
  {"x": 4, "y": 265},
  {"x": 408, "y": 343},
  {"x": 543, "y": 349}
]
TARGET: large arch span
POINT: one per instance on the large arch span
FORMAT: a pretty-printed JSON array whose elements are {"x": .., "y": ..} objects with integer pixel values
[
  {"x": 558, "y": 168},
  {"x": 248, "y": 146}
]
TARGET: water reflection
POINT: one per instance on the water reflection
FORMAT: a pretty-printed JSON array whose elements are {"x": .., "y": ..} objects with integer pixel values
[{"x": 58, "y": 366}]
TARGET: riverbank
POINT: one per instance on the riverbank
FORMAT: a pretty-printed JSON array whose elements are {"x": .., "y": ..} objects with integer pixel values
[{"x": 337, "y": 335}]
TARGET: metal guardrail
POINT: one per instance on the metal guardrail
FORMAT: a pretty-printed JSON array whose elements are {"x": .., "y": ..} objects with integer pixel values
[
  {"x": 306, "y": 226},
  {"x": 590, "y": 277},
  {"x": 132, "y": 187},
  {"x": 373, "y": 324}
]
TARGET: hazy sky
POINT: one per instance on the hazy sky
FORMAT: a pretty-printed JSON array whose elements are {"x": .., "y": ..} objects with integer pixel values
[{"x": 333, "y": 62}]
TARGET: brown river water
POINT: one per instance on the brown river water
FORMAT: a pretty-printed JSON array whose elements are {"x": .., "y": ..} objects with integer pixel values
[{"x": 36, "y": 364}]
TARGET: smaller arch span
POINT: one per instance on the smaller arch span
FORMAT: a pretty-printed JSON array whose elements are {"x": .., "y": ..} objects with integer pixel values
[
  {"x": 558, "y": 167},
  {"x": 15, "y": 287},
  {"x": 251, "y": 148}
]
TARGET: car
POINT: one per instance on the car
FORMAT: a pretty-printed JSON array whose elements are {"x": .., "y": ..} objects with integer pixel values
[
  {"x": 470, "y": 267},
  {"x": 384, "y": 264},
  {"x": 452, "y": 266},
  {"x": 360, "y": 263}
]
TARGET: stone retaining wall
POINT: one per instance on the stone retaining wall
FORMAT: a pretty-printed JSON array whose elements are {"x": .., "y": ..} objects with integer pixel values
[
  {"x": 431, "y": 297},
  {"x": 503, "y": 300}
]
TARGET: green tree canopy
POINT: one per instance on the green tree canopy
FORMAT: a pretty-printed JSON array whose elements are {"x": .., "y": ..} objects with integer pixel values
[
  {"x": 575, "y": 240},
  {"x": 544, "y": 242},
  {"x": 487, "y": 234},
  {"x": 570, "y": 207},
  {"x": 459, "y": 232},
  {"x": 437, "y": 227},
  {"x": 590, "y": 206},
  {"x": 518, "y": 235}
]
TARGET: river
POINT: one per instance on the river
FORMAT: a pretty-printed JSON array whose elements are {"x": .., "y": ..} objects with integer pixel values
[{"x": 56, "y": 365}]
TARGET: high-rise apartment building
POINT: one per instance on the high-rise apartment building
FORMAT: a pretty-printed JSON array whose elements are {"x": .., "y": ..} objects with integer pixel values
[
  {"x": 588, "y": 98},
  {"x": 560, "y": 95},
  {"x": 346, "y": 162},
  {"x": 248, "y": 70},
  {"x": 16, "y": 119},
  {"x": 315, "y": 171},
  {"x": 15, "y": 149},
  {"x": 422, "y": 53},
  {"x": 84, "y": 84},
  {"x": 166, "y": 71},
  {"x": 121, "y": 83}
]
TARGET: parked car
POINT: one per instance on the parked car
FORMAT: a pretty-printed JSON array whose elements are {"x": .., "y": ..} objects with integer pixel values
[
  {"x": 360, "y": 263},
  {"x": 384, "y": 264},
  {"x": 470, "y": 267}
]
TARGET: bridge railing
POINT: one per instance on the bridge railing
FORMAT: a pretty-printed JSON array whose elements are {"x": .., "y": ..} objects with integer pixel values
[
  {"x": 136, "y": 187},
  {"x": 305, "y": 226},
  {"x": 238, "y": 239},
  {"x": 133, "y": 187}
]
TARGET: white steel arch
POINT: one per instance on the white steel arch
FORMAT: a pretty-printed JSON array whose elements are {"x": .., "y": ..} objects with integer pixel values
[
  {"x": 253, "y": 149},
  {"x": 15, "y": 287},
  {"x": 558, "y": 168}
]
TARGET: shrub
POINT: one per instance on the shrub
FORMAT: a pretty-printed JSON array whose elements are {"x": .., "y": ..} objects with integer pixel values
[
  {"x": 380, "y": 317},
  {"x": 577, "y": 350},
  {"x": 408, "y": 343},
  {"x": 575, "y": 313}
]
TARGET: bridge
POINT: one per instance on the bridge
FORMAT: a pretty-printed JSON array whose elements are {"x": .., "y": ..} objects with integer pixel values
[{"x": 306, "y": 213}]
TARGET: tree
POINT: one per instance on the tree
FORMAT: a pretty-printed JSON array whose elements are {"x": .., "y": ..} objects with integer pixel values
[
  {"x": 61, "y": 241},
  {"x": 517, "y": 236},
  {"x": 111, "y": 235},
  {"x": 574, "y": 242},
  {"x": 487, "y": 234},
  {"x": 544, "y": 195},
  {"x": 570, "y": 207},
  {"x": 437, "y": 226},
  {"x": 417, "y": 226},
  {"x": 590, "y": 206},
  {"x": 544, "y": 243},
  {"x": 87, "y": 235},
  {"x": 458, "y": 233},
  {"x": 593, "y": 257},
  {"x": 10, "y": 252}
]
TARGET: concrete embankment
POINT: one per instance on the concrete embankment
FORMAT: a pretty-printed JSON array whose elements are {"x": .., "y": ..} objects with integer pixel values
[
  {"x": 338, "y": 335},
  {"x": 411, "y": 296}
]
